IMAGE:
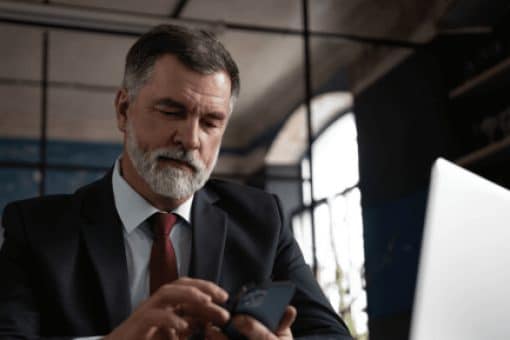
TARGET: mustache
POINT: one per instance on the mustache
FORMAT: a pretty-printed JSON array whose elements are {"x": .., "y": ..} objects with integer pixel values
[{"x": 180, "y": 155}]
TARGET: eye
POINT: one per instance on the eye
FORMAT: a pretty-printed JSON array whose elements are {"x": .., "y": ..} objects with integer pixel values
[
  {"x": 210, "y": 123},
  {"x": 170, "y": 112}
]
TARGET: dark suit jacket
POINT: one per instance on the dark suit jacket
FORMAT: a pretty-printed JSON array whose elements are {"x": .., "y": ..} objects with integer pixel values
[{"x": 63, "y": 267}]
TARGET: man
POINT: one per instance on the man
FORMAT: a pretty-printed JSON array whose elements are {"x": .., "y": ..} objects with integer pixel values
[{"x": 103, "y": 261}]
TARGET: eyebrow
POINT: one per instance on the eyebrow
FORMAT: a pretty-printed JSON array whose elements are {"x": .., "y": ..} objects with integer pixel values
[
  {"x": 216, "y": 115},
  {"x": 169, "y": 102}
]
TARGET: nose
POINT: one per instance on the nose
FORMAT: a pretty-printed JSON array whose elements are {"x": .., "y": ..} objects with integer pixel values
[{"x": 187, "y": 134}]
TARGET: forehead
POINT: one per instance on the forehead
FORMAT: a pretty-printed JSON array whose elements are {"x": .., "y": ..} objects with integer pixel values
[{"x": 171, "y": 77}]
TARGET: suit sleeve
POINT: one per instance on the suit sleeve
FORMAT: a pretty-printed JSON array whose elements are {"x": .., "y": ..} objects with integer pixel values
[
  {"x": 18, "y": 312},
  {"x": 19, "y": 316},
  {"x": 315, "y": 317}
]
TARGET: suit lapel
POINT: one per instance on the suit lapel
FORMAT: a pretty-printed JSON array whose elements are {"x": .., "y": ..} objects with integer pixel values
[
  {"x": 209, "y": 234},
  {"x": 102, "y": 230}
]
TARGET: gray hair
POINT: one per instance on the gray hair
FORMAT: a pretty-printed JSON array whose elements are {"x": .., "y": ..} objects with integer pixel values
[{"x": 197, "y": 49}]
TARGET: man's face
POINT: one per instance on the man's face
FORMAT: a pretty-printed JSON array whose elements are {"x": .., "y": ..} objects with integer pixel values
[{"x": 174, "y": 126}]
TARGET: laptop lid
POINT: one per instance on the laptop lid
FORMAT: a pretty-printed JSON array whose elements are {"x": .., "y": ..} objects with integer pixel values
[{"x": 463, "y": 287}]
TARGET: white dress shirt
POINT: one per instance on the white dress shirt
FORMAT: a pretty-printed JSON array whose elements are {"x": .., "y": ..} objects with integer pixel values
[{"x": 134, "y": 211}]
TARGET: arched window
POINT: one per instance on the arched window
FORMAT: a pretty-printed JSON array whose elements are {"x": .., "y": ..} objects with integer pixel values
[{"x": 336, "y": 205}]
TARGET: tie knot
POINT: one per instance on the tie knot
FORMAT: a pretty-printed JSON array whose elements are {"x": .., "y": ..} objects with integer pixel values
[{"x": 162, "y": 223}]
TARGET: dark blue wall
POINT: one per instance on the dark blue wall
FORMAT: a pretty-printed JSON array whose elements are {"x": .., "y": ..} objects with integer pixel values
[
  {"x": 70, "y": 165},
  {"x": 402, "y": 128}
]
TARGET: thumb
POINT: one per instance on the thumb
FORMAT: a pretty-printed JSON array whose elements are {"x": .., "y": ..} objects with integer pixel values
[{"x": 287, "y": 320}]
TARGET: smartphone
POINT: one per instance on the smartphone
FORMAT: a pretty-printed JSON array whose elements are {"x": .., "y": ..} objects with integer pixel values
[{"x": 266, "y": 303}]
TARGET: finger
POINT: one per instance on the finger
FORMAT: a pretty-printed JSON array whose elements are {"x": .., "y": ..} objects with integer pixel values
[
  {"x": 158, "y": 334},
  {"x": 214, "y": 333},
  {"x": 195, "y": 324},
  {"x": 165, "y": 319},
  {"x": 174, "y": 294},
  {"x": 287, "y": 320},
  {"x": 210, "y": 312},
  {"x": 173, "y": 334},
  {"x": 217, "y": 293},
  {"x": 187, "y": 299},
  {"x": 166, "y": 334},
  {"x": 252, "y": 328},
  {"x": 151, "y": 333}
]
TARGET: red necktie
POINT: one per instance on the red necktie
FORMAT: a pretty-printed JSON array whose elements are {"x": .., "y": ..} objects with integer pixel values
[{"x": 163, "y": 265}]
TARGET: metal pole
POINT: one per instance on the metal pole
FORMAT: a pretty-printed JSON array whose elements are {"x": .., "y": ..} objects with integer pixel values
[
  {"x": 308, "y": 101},
  {"x": 44, "y": 114},
  {"x": 179, "y": 8}
]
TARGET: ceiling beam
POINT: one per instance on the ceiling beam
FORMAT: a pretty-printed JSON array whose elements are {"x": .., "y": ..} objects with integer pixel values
[
  {"x": 86, "y": 19},
  {"x": 134, "y": 24}
]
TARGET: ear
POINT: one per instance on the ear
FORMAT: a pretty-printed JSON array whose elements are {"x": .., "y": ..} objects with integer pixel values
[{"x": 121, "y": 108}]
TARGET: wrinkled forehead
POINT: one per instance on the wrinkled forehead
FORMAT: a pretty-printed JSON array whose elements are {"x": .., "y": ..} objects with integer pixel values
[
  {"x": 170, "y": 78},
  {"x": 175, "y": 67}
]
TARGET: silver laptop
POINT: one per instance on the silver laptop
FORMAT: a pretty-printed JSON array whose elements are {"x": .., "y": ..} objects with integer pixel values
[{"x": 463, "y": 289}]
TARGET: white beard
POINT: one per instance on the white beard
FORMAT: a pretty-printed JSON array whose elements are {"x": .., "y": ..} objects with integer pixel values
[{"x": 168, "y": 181}]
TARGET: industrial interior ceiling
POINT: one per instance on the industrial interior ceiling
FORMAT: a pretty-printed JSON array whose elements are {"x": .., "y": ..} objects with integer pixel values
[{"x": 352, "y": 40}]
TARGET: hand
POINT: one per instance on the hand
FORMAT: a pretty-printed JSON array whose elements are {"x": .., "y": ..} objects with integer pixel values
[
  {"x": 174, "y": 311},
  {"x": 255, "y": 330}
]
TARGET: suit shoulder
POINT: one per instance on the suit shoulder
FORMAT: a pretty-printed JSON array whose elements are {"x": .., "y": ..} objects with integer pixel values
[
  {"x": 40, "y": 206},
  {"x": 56, "y": 205},
  {"x": 46, "y": 201},
  {"x": 241, "y": 199}
]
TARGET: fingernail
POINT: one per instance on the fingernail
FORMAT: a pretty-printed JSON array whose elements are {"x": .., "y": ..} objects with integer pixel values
[
  {"x": 222, "y": 296},
  {"x": 183, "y": 324},
  {"x": 226, "y": 315}
]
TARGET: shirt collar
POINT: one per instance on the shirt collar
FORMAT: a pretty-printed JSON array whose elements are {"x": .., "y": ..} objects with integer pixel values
[{"x": 133, "y": 209}]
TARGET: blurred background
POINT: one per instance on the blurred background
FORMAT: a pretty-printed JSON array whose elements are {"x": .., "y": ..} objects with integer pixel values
[{"x": 344, "y": 106}]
